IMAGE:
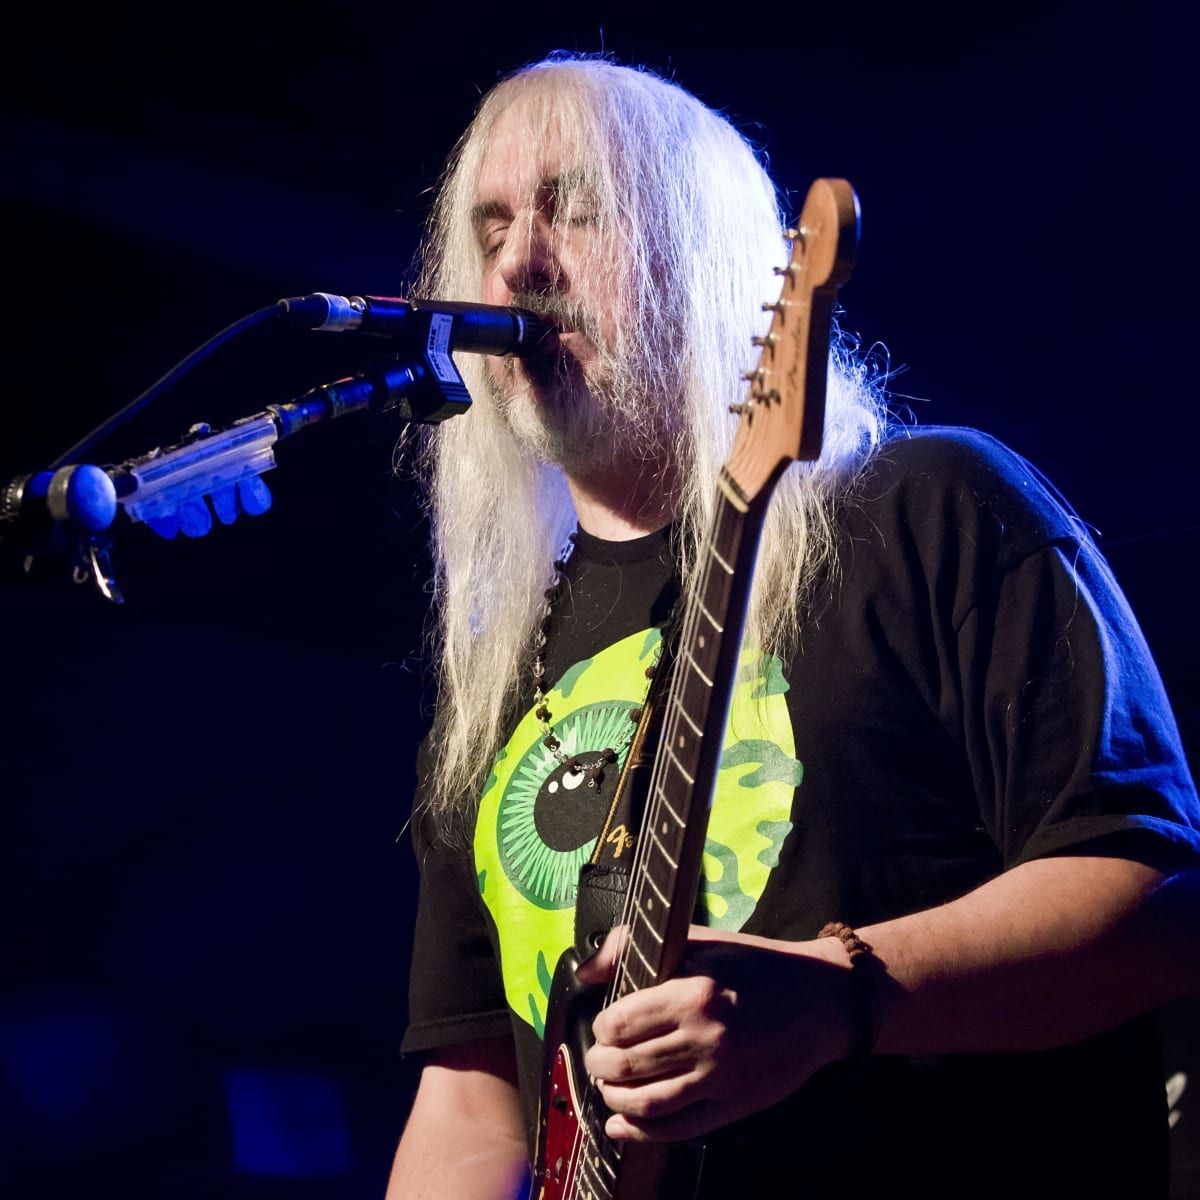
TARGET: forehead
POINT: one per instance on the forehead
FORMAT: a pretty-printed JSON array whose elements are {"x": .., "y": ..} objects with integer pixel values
[{"x": 524, "y": 152}]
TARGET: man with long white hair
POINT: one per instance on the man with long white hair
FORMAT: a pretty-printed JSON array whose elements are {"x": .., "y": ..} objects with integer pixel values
[{"x": 946, "y": 730}]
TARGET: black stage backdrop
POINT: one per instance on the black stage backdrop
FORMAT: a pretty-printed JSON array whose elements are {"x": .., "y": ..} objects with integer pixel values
[{"x": 207, "y": 905}]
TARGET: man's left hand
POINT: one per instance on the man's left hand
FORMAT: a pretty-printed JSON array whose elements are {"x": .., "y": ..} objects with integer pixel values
[{"x": 745, "y": 1022}]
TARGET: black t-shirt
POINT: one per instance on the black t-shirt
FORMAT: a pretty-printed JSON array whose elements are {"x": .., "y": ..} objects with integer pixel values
[{"x": 970, "y": 692}]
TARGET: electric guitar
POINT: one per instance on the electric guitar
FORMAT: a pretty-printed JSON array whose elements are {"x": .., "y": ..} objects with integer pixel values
[{"x": 676, "y": 751}]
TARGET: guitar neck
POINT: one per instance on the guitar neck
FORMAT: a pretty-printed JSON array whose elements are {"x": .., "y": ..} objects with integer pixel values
[
  {"x": 685, "y": 744},
  {"x": 678, "y": 743}
]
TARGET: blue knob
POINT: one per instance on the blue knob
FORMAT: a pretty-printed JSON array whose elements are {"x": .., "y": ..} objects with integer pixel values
[{"x": 84, "y": 496}]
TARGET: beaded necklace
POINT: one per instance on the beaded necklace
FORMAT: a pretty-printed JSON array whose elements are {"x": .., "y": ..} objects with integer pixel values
[{"x": 593, "y": 769}]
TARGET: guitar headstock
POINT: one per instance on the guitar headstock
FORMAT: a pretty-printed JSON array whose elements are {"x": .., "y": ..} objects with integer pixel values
[{"x": 783, "y": 415}]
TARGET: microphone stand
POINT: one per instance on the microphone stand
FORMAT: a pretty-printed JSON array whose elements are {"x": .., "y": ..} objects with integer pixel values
[
  {"x": 75, "y": 507},
  {"x": 72, "y": 506}
]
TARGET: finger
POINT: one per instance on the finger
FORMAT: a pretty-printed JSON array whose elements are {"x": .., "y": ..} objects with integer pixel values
[
  {"x": 653, "y": 1100},
  {"x": 694, "y": 1121},
  {"x": 673, "y": 1053},
  {"x": 687, "y": 1000},
  {"x": 601, "y": 967}
]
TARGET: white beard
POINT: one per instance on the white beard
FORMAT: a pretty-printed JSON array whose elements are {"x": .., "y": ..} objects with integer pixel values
[{"x": 582, "y": 417}]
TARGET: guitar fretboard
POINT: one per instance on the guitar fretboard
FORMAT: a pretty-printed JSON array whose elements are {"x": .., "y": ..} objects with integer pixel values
[{"x": 666, "y": 873}]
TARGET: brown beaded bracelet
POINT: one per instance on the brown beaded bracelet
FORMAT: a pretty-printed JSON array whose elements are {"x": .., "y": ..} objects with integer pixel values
[{"x": 863, "y": 966}]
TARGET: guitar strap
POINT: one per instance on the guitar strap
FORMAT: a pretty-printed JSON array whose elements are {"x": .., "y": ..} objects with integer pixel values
[{"x": 604, "y": 879}]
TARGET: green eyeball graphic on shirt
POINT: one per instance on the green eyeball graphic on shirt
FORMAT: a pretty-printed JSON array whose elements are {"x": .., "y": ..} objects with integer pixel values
[
  {"x": 538, "y": 821},
  {"x": 550, "y": 815}
]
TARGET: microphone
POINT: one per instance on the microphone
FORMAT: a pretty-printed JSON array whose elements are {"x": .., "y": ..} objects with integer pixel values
[{"x": 438, "y": 326}]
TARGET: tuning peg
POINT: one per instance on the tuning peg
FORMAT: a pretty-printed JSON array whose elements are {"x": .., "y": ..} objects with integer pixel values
[
  {"x": 796, "y": 234},
  {"x": 769, "y": 340},
  {"x": 789, "y": 270},
  {"x": 752, "y": 375},
  {"x": 739, "y": 410},
  {"x": 777, "y": 306}
]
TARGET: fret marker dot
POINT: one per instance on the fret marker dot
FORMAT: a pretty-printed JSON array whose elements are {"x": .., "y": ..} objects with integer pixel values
[
  {"x": 680, "y": 742},
  {"x": 649, "y": 903},
  {"x": 664, "y": 827},
  {"x": 700, "y": 641}
]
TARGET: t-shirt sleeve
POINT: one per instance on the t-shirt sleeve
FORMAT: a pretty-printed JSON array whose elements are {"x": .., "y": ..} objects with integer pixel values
[
  {"x": 1031, "y": 657},
  {"x": 455, "y": 989},
  {"x": 1072, "y": 741}
]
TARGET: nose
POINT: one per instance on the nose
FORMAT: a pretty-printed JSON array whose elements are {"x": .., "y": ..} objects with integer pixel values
[{"x": 528, "y": 262}]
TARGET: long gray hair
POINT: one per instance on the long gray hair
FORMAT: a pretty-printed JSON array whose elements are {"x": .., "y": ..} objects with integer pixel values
[{"x": 697, "y": 234}]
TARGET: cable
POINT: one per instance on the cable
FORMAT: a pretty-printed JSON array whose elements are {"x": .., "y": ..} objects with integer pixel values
[{"x": 83, "y": 447}]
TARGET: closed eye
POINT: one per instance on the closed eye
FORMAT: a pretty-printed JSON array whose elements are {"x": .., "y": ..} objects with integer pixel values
[
  {"x": 491, "y": 220},
  {"x": 571, "y": 200},
  {"x": 491, "y": 240}
]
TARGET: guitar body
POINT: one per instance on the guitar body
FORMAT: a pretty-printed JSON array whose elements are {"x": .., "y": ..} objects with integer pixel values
[{"x": 560, "y": 1169}]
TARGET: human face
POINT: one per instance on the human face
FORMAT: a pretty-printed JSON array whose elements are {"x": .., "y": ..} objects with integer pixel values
[{"x": 545, "y": 246}]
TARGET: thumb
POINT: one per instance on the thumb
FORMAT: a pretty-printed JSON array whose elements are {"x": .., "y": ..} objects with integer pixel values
[{"x": 601, "y": 967}]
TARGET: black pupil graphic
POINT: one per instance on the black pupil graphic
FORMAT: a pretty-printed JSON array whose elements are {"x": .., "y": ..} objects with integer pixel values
[
  {"x": 549, "y": 817},
  {"x": 569, "y": 811}
]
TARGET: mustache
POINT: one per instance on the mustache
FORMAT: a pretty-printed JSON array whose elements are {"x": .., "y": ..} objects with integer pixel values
[{"x": 569, "y": 316}]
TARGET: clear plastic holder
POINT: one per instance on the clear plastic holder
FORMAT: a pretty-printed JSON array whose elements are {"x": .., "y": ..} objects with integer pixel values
[{"x": 170, "y": 486}]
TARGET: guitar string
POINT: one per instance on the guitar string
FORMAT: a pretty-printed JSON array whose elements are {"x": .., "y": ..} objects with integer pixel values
[
  {"x": 584, "y": 1135},
  {"x": 670, "y": 724},
  {"x": 633, "y": 903}
]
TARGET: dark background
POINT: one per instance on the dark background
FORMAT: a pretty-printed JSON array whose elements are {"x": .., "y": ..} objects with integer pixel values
[{"x": 206, "y": 908}]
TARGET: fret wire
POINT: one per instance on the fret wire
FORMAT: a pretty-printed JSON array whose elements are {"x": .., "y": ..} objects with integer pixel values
[
  {"x": 711, "y": 619},
  {"x": 662, "y": 796},
  {"x": 637, "y": 908},
  {"x": 696, "y": 667},
  {"x": 634, "y": 972},
  {"x": 626, "y": 975},
  {"x": 591, "y": 1147},
  {"x": 692, "y": 695},
  {"x": 612, "y": 1171},
  {"x": 713, "y": 551},
  {"x": 663, "y": 850},
  {"x": 650, "y": 879},
  {"x": 632, "y": 944},
  {"x": 590, "y": 1163},
  {"x": 714, "y": 598},
  {"x": 594, "y": 1180},
  {"x": 679, "y": 767},
  {"x": 695, "y": 728}
]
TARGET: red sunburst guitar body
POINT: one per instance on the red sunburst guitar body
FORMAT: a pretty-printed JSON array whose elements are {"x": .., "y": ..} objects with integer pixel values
[{"x": 569, "y": 1165}]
